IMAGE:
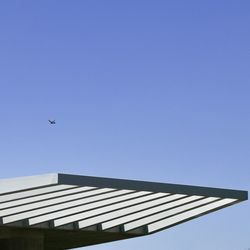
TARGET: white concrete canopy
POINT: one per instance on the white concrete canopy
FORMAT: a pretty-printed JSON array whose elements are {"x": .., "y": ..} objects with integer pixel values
[{"x": 105, "y": 209}]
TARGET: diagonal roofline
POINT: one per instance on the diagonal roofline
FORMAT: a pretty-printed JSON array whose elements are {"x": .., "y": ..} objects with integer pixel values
[
  {"x": 31, "y": 182},
  {"x": 102, "y": 182}
]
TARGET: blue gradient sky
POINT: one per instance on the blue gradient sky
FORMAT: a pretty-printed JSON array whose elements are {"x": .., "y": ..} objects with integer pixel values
[{"x": 148, "y": 90}]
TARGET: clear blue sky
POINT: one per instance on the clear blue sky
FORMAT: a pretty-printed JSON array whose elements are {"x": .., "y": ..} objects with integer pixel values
[{"x": 148, "y": 90}]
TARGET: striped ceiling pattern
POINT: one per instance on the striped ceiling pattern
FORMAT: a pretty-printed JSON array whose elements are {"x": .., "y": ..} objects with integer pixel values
[{"x": 69, "y": 202}]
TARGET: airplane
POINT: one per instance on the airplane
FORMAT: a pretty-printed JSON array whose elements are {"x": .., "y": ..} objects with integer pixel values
[{"x": 52, "y": 122}]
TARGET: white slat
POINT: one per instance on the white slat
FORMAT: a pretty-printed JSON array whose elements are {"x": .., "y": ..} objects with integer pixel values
[
  {"x": 149, "y": 211},
  {"x": 45, "y": 203},
  {"x": 63, "y": 207},
  {"x": 37, "y": 191},
  {"x": 121, "y": 212},
  {"x": 42, "y": 197},
  {"x": 187, "y": 215},
  {"x": 105, "y": 209},
  {"x": 43, "y": 216},
  {"x": 162, "y": 215}
]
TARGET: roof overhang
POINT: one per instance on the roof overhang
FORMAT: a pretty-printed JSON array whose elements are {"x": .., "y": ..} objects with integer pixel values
[{"x": 84, "y": 210}]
